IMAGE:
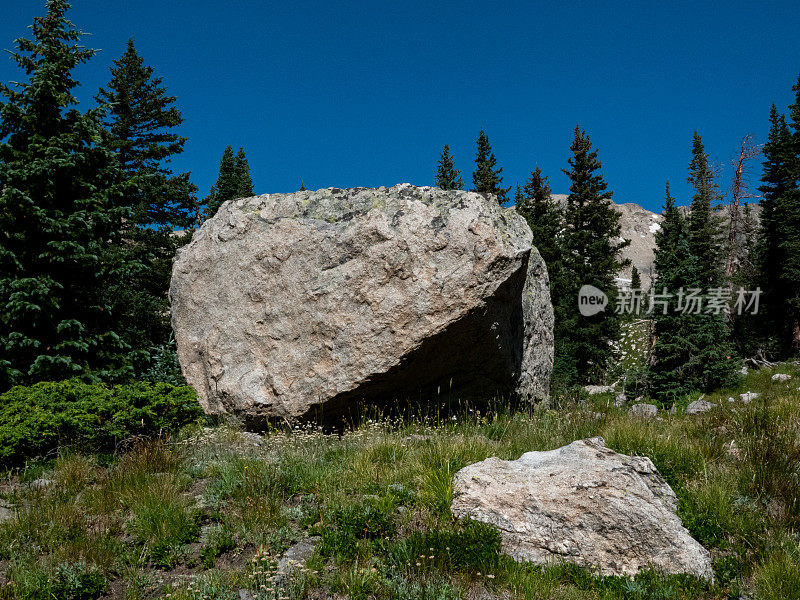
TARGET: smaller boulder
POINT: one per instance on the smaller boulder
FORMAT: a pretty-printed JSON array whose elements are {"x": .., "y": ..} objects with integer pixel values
[
  {"x": 643, "y": 411},
  {"x": 620, "y": 400},
  {"x": 593, "y": 390},
  {"x": 732, "y": 450},
  {"x": 584, "y": 504},
  {"x": 6, "y": 512},
  {"x": 699, "y": 406},
  {"x": 40, "y": 484},
  {"x": 296, "y": 556},
  {"x": 781, "y": 377},
  {"x": 748, "y": 397}
]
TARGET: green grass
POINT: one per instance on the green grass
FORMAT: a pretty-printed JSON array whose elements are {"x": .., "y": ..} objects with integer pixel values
[{"x": 208, "y": 513}]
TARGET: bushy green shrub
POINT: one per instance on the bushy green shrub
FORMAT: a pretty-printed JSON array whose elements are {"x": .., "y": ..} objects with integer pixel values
[
  {"x": 77, "y": 581},
  {"x": 344, "y": 526},
  {"x": 474, "y": 546},
  {"x": 34, "y": 580},
  {"x": 36, "y": 420}
]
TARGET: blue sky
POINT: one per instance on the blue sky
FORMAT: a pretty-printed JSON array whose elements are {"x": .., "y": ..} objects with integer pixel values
[{"x": 366, "y": 93}]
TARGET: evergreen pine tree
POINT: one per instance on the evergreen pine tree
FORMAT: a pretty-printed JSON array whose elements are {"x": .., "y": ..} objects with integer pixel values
[
  {"x": 691, "y": 351},
  {"x": 704, "y": 225},
  {"x": 636, "y": 279},
  {"x": 139, "y": 122},
  {"x": 486, "y": 178},
  {"x": 776, "y": 182},
  {"x": 591, "y": 256},
  {"x": 227, "y": 184},
  {"x": 544, "y": 218},
  {"x": 675, "y": 268},
  {"x": 789, "y": 209},
  {"x": 59, "y": 209},
  {"x": 447, "y": 176},
  {"x": 244, "y": 182}
]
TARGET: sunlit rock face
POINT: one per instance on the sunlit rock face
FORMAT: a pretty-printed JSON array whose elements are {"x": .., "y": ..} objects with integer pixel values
[{"x": 301, "y": 305}]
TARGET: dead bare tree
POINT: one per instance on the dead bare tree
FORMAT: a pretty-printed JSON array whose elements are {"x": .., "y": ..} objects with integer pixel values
[{"x": 740, "y": 190}]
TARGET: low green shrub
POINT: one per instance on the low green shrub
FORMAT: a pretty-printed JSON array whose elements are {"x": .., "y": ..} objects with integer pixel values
[
  {"x": 67, "y": 581},
  {"x": 77, "y": 581},
  {"x": 475, "y": 547},
  {"x": 344, "y": 526},
  {"x": 220, "y": 540},
  {"x": 39, "y": 419}
]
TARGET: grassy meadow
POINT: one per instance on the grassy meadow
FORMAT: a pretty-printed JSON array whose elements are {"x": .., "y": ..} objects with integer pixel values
[{"x": 209, "y": 513}]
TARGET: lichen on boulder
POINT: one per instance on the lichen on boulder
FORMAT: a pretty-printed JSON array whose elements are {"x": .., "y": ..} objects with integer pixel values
[{"x": 300, "y": 305}]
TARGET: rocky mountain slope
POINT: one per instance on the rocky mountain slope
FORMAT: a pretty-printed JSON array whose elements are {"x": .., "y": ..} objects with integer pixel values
[{"x": 640, "y": 225}]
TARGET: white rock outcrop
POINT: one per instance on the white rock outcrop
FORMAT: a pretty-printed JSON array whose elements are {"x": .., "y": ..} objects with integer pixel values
[
  {"x": 643, "y": 410},
  {"x": 699, "y": 406},
  {"x": 584, "y": 504},
  {"x": 304, "y": 304}
]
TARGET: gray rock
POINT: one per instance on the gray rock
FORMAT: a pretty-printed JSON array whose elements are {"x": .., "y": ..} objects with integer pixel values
[
  {"x": 583, "y": 504},
  {"x": 286, "y": 305},
  {"x": 731, "y": 399},
  {"x": 620, "y": 400},
  {"x": 744, "y": 370},
  {"x": 781, "y": 377},
  {"x": 699, "y": 406},
  {"x": 296, "y": 556},
  {"x": 6, "y": 512},
  {"x": 748, "y": 397},
  {"x": 643, "y": 411},
  {"x": 639, "y": 226},
  {"x": 732, "y": 450},
  {"x": 593, "y": 390},
  {"x": 417, "y": 437},
  {"x": 41, "y": 484}
]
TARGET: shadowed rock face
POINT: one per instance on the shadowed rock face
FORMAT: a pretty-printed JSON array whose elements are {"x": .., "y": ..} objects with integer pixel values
[
  {"x": 300, "y": 305},
  {"x": 583, "y": 504}
]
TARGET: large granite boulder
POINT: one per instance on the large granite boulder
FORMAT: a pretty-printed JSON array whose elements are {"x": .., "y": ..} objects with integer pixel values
[
  {"x": 584, "y": 504},
  {"x": 300, "y": 305}
]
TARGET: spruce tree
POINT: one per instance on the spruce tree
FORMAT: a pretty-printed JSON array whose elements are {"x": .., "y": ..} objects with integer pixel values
[
  {"x": 704, "y": 225},
  {"x": 447, "y": 176},
  {"x": 778, "y": 248},
  {"x": 776, "y": 181},
  {"x": 227, "y": 185},
  {"x": 790, "y": 237},
  {"x": 487, "y": 179},
  {"x": 675, "y": 268},
  {"x": 139, "y": 125},
  {"x": 691, "y": 350},
  {"x": 636, "y": 279},
  {"x": 60, "y": 215},
  {"x": 544, "y": 218},
  {"x": 244, "y": 182},
  {"x": 139, "y": 122},
  {"x": 591, "y": 257}
]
